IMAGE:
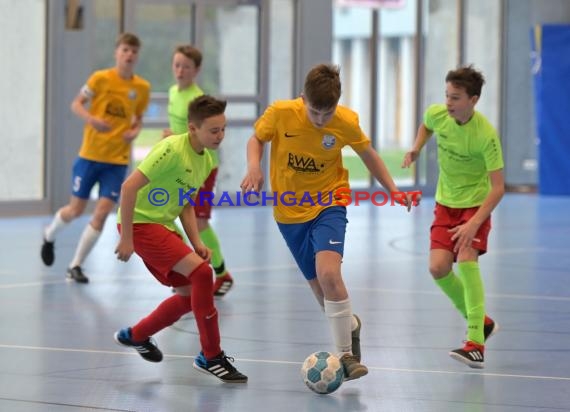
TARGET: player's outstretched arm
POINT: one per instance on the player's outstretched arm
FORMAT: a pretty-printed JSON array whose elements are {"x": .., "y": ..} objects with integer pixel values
[
  {"x": 378, "y": 169},
  {"x": 422, "y": 137}
]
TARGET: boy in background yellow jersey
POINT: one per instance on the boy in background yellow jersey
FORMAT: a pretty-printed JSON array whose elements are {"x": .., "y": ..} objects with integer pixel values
[{"x": 111, "y": 103}]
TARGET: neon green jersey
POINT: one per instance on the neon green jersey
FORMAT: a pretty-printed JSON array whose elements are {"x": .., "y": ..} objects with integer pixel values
[
  {"x": 178, "y": 101},
  {"x": 174, "y": 170},
  {"x": 466, "y": 154}
]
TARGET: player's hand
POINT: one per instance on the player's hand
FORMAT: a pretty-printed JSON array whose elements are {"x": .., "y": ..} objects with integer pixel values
[
  {"x": 407, "y": 199},
  {"x": 253, "y": 181},
  {"x": 464, "y": 236},
  {"x": 166, "y": 133},
  {"x": 203, "y": 252},
  {"x": 409, "y": 158},
  {"x": 99, "y": 124},
  {"x": 124, "y": 250},
  {"x": 130, "y": 135}
]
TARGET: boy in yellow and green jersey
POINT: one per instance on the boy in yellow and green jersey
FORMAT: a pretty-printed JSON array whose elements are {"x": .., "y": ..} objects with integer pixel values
[{"x": 186, "y": 63}]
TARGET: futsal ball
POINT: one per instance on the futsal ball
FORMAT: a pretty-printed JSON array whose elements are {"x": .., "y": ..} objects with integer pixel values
[{"x": 322, "y": 372}]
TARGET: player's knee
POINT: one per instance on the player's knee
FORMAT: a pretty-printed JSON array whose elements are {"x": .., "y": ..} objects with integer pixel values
[
  {"x": 439, "y": 270},
  {"x": 73, "y": 212},
  {"x": 202, "y": 273},
  {"x": 98, "y": 220}
]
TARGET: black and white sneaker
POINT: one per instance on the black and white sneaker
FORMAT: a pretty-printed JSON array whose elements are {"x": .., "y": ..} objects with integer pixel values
[
  {"x": 147, "y": 349},
  {"x": 76, "y": 273},
  {"x": 471, "y": 355},
  {"x": 220, "y": 367},
  {"x": 47, "y": 253}
]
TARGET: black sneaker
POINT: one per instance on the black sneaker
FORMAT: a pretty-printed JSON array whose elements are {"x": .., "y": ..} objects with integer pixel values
[
  {"x": 490, "y": 329},
  {"x": 147, "y": 349},
  {"x": 47, "y": 253},
  {"x": 353, "y": 369},
  {"x": 356, "y": 340},
  {"x": 220, "y": 367},
  {"x": 471, "y": 355},
  {"x": 76, "y": 273}
]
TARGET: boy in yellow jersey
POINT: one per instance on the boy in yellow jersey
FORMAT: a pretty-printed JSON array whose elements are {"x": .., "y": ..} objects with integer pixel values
[
  {"x": 307, "y": 136},
  {"x": 186, "y": 64},
  {"x": 117, "y": 99},
  {"x": 162, "y": 189},
  {"x": 469, "y": 187}
]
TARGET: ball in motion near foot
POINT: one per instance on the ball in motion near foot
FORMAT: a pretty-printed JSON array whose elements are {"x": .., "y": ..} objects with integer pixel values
[{"x": 322, "y": 372}]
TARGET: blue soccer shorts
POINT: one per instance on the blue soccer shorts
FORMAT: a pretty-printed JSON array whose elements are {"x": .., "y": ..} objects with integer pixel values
[
  {"x": 86, "y": 173},
  {"x": 324, "y": 232}
]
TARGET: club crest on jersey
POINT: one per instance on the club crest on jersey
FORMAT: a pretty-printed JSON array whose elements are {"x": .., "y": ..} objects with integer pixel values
[
  {"x": 132, "y": 94},
  {"x": 328, "y": 141}
]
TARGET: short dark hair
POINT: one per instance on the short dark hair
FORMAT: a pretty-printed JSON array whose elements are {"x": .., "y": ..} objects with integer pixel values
[
  {"x": 204, "y": 107},
  {"x": 190, "y": 52},
  {"x": 466, "y": 77},
  {"x": 322, "y": 86},
  {"x": 129, "y": 39}
]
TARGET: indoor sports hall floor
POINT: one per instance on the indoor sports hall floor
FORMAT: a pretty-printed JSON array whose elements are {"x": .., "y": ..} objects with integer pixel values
[{"x": 57, "y": 351}]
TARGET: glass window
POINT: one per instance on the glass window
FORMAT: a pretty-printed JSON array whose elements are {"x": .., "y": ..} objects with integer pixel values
[
  {"x": 160, "y": 26},
  {"x": 105, "y": 32},
  {"x": 22, "y": 100},
  {"x": 281, "y": 59},
  {"x": 387, "y": 112},
  {"x": 441, "y": 38},
  {"x": 232, "y": 44},
  {"x": 441, "y": 48},
  {"x": 352, "y": 31},
  {"x": 482, "y": 49}
]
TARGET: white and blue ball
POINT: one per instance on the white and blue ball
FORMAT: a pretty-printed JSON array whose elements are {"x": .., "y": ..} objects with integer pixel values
[{"x": 322, "y": 372}]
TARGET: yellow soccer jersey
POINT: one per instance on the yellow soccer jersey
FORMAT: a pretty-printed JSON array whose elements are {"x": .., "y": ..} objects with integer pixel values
[
  {"x": 306, "y": 162},
  {"x": 117, "y": 101}
]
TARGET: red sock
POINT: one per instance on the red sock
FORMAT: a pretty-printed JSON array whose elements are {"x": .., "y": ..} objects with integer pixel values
[
  {"x": 168, "y": 312},
  {"x": 204, "y": 310}
]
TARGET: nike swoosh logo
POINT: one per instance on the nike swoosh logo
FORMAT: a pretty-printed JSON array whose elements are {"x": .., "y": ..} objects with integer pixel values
[
  {"x": 208, "y": 317},
  {"x": 334, "y": 242},
  {"x": 291, "y": 135}
]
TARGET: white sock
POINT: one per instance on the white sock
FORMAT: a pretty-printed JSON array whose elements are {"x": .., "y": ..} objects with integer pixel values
[
  {"x": 86, "y": 242},
  {"x": 354, "y": 323},
  {"x": 340, "y": 320},
  {"x": 55, "y": 226}
]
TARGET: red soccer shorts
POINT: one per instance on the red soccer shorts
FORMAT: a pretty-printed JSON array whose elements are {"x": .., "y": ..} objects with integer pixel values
[{"x": 447, "y": 218}]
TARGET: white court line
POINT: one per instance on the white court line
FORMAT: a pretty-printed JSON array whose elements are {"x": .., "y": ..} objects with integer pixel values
[
  {"x": 266, "y": 361},
  {"x": 110, "y": 279}
]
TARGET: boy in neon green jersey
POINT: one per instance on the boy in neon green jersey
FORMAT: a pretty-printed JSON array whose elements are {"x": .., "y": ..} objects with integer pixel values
[
  {"x": 469, "y": 187},
  {"x": 161, "y": 189},
  {"x": 186, "y": 64}
]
